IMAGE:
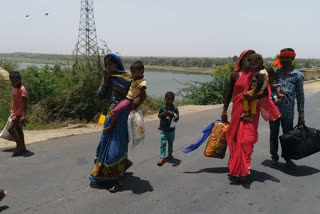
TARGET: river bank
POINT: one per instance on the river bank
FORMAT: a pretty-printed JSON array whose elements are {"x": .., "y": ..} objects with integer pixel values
[{"x": 69, "y": 61}]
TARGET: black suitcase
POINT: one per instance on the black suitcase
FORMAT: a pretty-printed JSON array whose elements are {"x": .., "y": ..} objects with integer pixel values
[{"x": 300, "y": 142}]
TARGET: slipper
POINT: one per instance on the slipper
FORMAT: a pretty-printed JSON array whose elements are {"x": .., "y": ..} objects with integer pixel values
[
  {"x": 160, "y": 162},
  {"x": 115, "y": 188},
  {"x": 3, "y": 194}
]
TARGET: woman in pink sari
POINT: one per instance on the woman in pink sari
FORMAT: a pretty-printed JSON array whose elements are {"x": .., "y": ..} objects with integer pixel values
[{"x": 241, "y": 134}]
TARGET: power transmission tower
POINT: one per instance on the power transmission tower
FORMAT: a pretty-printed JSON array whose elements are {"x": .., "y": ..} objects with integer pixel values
[{"x": 87, "y": 44}]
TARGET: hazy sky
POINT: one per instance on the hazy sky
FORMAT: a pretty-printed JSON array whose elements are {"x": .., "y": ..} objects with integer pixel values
[{"x": 214, "y": 28}]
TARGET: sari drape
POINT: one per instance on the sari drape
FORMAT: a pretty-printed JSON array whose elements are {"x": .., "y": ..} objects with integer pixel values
[
  {"x": 111, "y": 160},
  {"x": 241, "y": 135}
]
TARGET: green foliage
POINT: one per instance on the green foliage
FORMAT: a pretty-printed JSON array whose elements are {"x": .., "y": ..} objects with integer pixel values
[
  {"x": 58, "y": 94},
  {"x": 5, "y": 101},
  {"x": 152, "y": 105},
  {"x": 211, "y": 92}
]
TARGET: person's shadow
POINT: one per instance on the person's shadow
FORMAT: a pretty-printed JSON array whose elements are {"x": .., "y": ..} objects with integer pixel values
[
  {"x": 3, "y": 208},
  {"x": 174, "y": 162},
  {"x": 129, "y": 182},
  {"x": 218, "y": 170},
  {"x": 301, "y": 170},
  {"x": 136, "y": 184},
  {"x": 255, "y": 176},
  {"x": 24, "y": 154}
]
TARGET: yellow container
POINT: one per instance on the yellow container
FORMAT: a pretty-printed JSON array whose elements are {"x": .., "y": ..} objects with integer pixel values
[
  {"x": 102, "y": 119},
  {"x": 217, "y": 143}
]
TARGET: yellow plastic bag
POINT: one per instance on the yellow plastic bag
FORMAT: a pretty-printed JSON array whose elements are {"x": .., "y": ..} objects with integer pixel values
[
  {"x": 102, "y": 119},
  {"x": 217, "y": 143}
]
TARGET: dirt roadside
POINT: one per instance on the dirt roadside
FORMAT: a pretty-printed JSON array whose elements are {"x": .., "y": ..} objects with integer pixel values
[{"x": 34, "y": 136}]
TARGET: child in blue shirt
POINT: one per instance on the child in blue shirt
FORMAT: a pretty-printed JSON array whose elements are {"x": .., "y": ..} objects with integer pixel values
[{"x": 169, "y": 116}]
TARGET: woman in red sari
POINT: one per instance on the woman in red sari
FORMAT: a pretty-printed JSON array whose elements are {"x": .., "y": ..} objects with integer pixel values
[{"x": 241, "y": 135}]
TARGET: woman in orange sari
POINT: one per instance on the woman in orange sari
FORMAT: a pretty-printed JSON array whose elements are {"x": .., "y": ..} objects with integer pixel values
[{"x": 241, "y": 135}]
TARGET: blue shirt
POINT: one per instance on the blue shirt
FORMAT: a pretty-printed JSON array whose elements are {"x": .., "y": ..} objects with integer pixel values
[
  {"x": 291, "y": 85},
  {"x": 165, "y": 121}
]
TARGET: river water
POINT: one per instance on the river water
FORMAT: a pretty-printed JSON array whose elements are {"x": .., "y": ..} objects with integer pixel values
[{"x": 158, "y": 82}]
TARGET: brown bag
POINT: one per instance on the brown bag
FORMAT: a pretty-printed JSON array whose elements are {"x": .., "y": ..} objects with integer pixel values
[{"x": 217, "y": 143}]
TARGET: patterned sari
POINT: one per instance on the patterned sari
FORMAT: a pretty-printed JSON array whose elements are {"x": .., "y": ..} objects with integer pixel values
[{"x": 111, "y": 160}]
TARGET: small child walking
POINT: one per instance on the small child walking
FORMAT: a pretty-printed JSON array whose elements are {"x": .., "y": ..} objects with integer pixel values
[
  {"x": 18, "y": 112},
  {"x": 169, "y": 116},
  {"x": 135, "y": 95}
]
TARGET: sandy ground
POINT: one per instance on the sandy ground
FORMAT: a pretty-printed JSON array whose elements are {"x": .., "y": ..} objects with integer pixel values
[{"x": 43, "y": 135}]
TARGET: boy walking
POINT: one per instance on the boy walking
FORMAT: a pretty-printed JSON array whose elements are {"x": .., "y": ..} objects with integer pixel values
[
  {"x": 18, "y": 112},
  {"x": 169, "y": 116}
]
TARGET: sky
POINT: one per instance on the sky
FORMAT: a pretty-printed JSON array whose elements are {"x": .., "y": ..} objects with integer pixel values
[{"x": 192, "y": 28}]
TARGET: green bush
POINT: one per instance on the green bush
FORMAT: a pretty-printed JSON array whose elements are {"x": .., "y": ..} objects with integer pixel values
[
  {"x": 59, "y": 94},
  {"x": 211, "y": 92},
  {"x": 5, "y": 101}
]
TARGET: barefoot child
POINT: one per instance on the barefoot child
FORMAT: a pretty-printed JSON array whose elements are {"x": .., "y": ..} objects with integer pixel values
[
  {"x": 18, "y": 112},
  {"x": 259, "y": 82},
  {"x": 169, "y": 116},
  {"x": 135, "y": 95}
]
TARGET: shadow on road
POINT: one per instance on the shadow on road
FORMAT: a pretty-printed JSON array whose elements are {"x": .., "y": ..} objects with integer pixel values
[
  {"x": 299, "y": 172},
  {"x": 174, "y": 162},
  {"x": 129, "y": 182},
  {"x": 136, "y": 184},
  {"x": 255, "y": 176},
  {"x": 24, "y": 154},
  {"x": 211, "y": 170},
  {"x": 3, "y": 208}
]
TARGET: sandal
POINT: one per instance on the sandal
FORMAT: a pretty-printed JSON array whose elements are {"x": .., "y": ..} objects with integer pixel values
[
  {"x": 115, "y": 188},
  {"x": 170, "y": 157},
  {"x": 160, "y": 162},
  {"x": 3, "y": 194}
]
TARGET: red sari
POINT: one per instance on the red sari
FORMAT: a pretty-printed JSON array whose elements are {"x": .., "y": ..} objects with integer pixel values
[{"x": 241, "y": 135}]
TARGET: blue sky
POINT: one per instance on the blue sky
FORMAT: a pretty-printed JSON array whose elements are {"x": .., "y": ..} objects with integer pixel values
[{"x": 166, "y": 28}]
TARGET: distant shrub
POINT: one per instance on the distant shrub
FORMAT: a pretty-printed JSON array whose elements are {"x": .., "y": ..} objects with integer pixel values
[{"x": 211, "y": 92}]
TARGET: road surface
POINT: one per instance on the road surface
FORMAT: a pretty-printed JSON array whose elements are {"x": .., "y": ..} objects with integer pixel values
[{"x": 54, "y": 177}]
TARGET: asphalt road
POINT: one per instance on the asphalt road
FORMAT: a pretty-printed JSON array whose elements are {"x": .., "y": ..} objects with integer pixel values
[{"x": 54, "y": 177}]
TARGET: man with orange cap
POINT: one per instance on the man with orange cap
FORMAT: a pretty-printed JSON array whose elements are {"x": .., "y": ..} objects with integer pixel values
[{"x": 291, "y": 84}]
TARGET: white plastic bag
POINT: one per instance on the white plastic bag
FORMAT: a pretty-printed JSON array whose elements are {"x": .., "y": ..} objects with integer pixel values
[
  {"x": 5, "y": 133},
  {"x": 136, "y": 127}
]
